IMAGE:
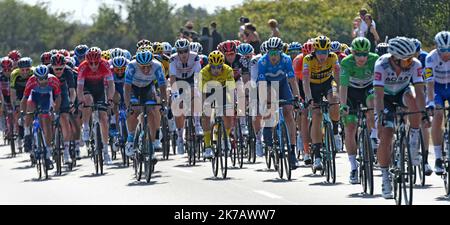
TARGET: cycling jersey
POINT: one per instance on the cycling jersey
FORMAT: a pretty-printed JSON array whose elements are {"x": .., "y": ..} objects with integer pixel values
[
  {"x": 134, "y": 75},
  {"x": 33, "y": 85},
  {"x": 4, "y": 85},
  {"x": 393, "y": 84},
  {"x": 436, "y": 69},
  {"x": 297, "y": 63},
  {"x": 254, "y": 67},
  {"x": 278, "y": 72},
  {"x": 18, "y": 82},
  {"x": 422, "y": 57},
  {"x": 66, "y": 79},
  {"x": 341, "y": 56},
  {"x": 226, "y": 78},
  {"x": 165, "y": 61},
  {"x": 357, "y": 77},
  {"x": 86, "y": 75},
  {"x": 237, "y": 66},
  {"x": 320, "y": 73},
  {"x": 184, "y": 70}
]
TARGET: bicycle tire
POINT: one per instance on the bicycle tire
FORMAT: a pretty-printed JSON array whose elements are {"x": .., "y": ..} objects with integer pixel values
[
  {"x": 268, "y": 157},
  {"x": 215, "y": 160},
  {"x": 43, "y": 153},
  {"x": 224, "y": 155},
  {"x": 421, "y": 167},
  {"x": 286, "y": 151},
  {"x": 148, "y": 154},
  {"x": 11, "y": 136},
  {"x": 240, "y": 149},
  {"x": 165, "y": 138},
  {"x": 368, "y": 163},
  {"x": 408, "y": 178},
  {"x": 57, "y": 150}
]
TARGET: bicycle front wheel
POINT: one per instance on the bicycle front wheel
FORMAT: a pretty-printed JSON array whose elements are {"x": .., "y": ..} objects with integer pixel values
[
  {"x": 59, "y": 145},
  {"x": 224, "y": 150},
  {"x": 287, "y": 155}
]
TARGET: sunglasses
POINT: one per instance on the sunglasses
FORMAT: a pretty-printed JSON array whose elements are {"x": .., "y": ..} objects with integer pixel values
[
  {"x": 218, "y": 67},
  {"x": 361, "y": 54},
  {"x": 120, "y": 70},
  {"x": 274, "y": 52},
  {"x": 94, "y": 63},
  {"x": 58, "y": 68},
  {"x": 42, "y": 78},
  {"x": 322, "y": 52},
  {"x": 183, "y": 51},
  {"x": 443, "y": 50}
]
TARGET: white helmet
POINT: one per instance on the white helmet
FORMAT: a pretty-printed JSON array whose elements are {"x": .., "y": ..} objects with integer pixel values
[
  {"x": 182, "y": 44},
  {"x": 402, "y": 47},
  {"x": 195, "y": 47},
  {"x": 442, "y": 39},
  {"x": 274, "y": 43},
  {"x": 167, "y": 48}
]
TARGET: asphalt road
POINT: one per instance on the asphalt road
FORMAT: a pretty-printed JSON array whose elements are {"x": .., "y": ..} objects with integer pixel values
[{"x": 174, "y": 182}]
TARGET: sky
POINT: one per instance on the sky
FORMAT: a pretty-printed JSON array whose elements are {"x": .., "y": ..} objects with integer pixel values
[{"x": 84, "y": 9}]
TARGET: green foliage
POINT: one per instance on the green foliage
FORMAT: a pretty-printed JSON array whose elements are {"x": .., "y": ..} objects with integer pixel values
[{"x": 32, "y": 29}]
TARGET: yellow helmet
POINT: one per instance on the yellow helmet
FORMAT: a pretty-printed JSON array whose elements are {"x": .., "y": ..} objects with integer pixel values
[
  {"x": 216, "y": 58},
  {"x": 322, "y": 43},
  {"x": 344, "y": 47},
  {"x": 158, "y": 48},
  {"x": 106, "y": 55},
  {"x": 145, "y": 48}
]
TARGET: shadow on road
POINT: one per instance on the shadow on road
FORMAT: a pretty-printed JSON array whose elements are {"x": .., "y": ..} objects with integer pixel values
[
  {"x": 324, "y": 183},
  {"x": 220, "y": 178},
  {"x": 186, "y": 165},
  {"x": 37, "y": 180},
  {"x": 311, "y": 175},
  {"x": 364, "y": 195},
  {"x": 278, "y": 180},
  {"x": 143, "y": 183},
  {"x": 237, "y": 168},
  {"x": 93, "y": 175},
  {"x": 443, "y": 198},
  {"x": 265, "y": 170},
  {"x": 23, "y": 167},
  {"x": 427, "y": 186}
]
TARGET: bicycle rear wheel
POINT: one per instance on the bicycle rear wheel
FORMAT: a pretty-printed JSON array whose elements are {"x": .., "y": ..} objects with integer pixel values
[
  {"x": 148, "y": 156},
  {"x": 11, "y": 137},
  {"x": 59, "y": 145},
  {"x": 286, "y": 151},
  {"x": 368, "y": 163},
  {"x": 224, "y": 156},
  {"x": 165, "y": 138}
]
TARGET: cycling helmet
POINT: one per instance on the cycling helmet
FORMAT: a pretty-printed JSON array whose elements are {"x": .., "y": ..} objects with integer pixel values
[
  {"x": 45, "y": 58},
  {"x": 361, "y": 44},
  {"x": 143, "y": 42},
  {"x": 81, "y": 50},
  {"x": 182, "y": 44},
  {"x": 418, "y": 44},
  {"x": 116, "y": 52},
  {"x": 144, "y": 57},
  {"x": 402, "y": 47},
  {"x": 308, "y": 48},
  {"x": 7, "y": 63},
  {"x": 322, "y": 43},
  {"x": 228, "y": 46},
  {"x": 58, "y": 60},
  {"x": 335, "y": 46},
  {"x": 25, "y": 62},
  {"x": 263, "y": 48},
  {"x": 119, "y": 62},
  {"x": 41, "y": 72},
  {"x": 70, "y": 62},
  {"x": 106, "y": 55},
  {"x": 295, "y": 46},
  {"x": 64, "y": 52},
  {"x": 274, "y": 43},
  {"x": 167, "y": 48},
  {"x": 158, "y": 48},
  {"x": 216, "y": 58},
  {"x": 245, "y": 49},
  {"x": 14, "y": 55},
  {"x": 94, "y": 54},
  {"x": 195, "y": 47},
  {"x": 127, "y": 54},
  {"x": 442, "y": 40},
  {"x": 382, "y": 48}
]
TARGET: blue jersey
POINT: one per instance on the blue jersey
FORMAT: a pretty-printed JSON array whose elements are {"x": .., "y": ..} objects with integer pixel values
[
  {"x": 422, "y": 56},
  {"x": 135, "y": 76},
  {"x": 278, "y": 72}
]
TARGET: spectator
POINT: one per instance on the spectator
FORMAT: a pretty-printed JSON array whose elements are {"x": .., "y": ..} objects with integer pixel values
[
  {"x": 252, "y": 37},
  {"x": 363, "y": 27},
  {"x": 273, "y": 24},
  {"x": 243, "y": 21},
  {"x": 372, "y": 33},
  {"x": 190, "y": 30},
  {"x": 206, "y": 41},
  {"x": 216, "y": 37},
  {"x": 356, "y": 24}
]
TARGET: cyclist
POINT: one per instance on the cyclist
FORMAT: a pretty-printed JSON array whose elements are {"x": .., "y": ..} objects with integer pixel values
[
  {"x": 143, "y": 75},
  {"x": 93, "y": 73},
  {"x": 15, "y": 55},
  {"x": 216, "y": 71},
  {"x": 393, "y": 73},
  {"x": 80, "y": 54},
  {"x": 198, "y": 48},
  {"x": 382, "y": 48},
  {"x": 336, "y": 47},
  {"x": 321, "y": 72},
  {"x": 19, "y": 78},
  {"x": 5, "y": 76},
  {"x": 273, "y": 67},
  {"x": 257, "y": 123},
  {"x": 119, "y": 65},
  {"x": 40, "y": 90},
  {"x": 65, "y": 76},
  {"x": 167, "y": 49},
  {"x": 437, "y": 73},
  {"x": 46, "y": 58},
  {"x": 357, "y": 88},
  {"x": 302, "y": 123},
  {"x": 184, "y": 66}
]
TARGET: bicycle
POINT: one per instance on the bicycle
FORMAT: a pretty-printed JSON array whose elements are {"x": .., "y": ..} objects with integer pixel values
[
  {"x": 401, "y": 165},
  {"x": 58, "y": 145},
  {"x": 250, "y": 140},
  {"x": 365, "y": 151},
  {"x": 143, "y": 158},
  {"x": 192, "y": 141},
  {"x": 165, "y": 136},
  {"x": 237, "y": 145},
  {"x": 95, "y": 143},
  {"x": 39, "y": 146},
  {"x": 446, "y": 151},
  {"x": 10, "y": 135},
  {"x": 220, "y": 153},
  {"x": 328, "y": 151},
  {"x": 121, "y": 138}
]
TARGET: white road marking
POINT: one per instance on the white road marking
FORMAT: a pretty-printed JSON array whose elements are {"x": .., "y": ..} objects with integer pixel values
[{"x": 268, "y": 194}]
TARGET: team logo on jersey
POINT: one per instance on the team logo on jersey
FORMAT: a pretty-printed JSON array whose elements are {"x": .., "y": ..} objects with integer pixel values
[{"x": 378, "y": 76}]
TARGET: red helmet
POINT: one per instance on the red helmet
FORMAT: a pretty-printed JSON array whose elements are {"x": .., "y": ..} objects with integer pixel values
[
  {"x": 308, "y": 48},
  {"x": 46, "y": 57},
  {"x": 58, "y": 60},
  {"x": 229, "y": 46},
  {"x": 237, "y": 42},
  {"x": 64, "y": 52},
  {"x": 14, "y": 55},
  {"x": 94, "y": 54},
  {"x": 7, "y": 63}
]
